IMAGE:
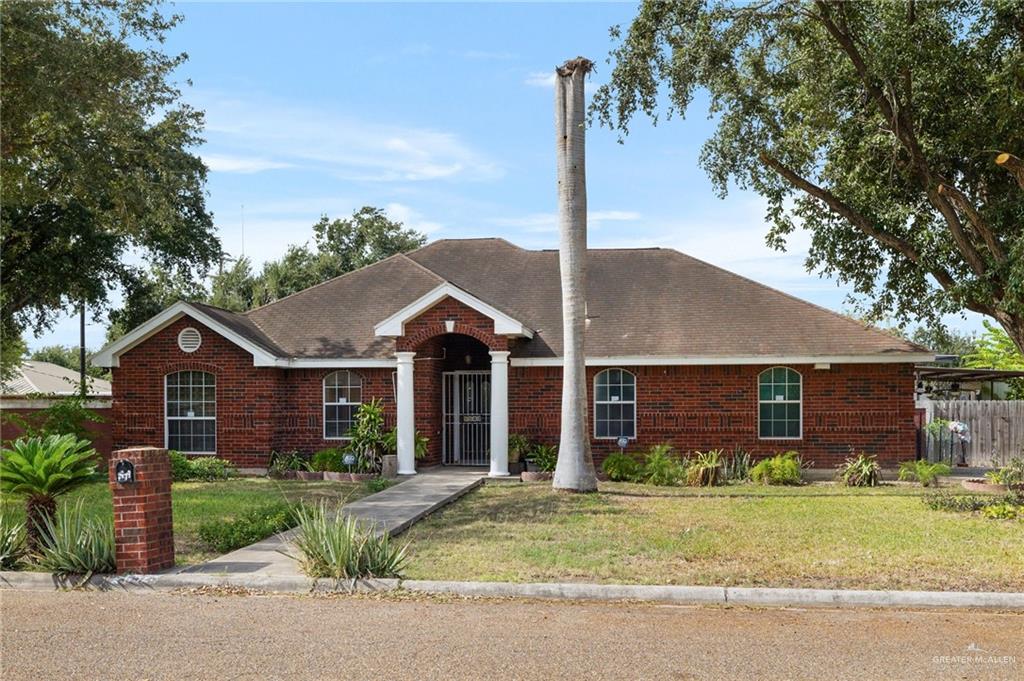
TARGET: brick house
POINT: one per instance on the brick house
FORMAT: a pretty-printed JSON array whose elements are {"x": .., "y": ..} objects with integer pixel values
[{"x": 461, "y": 340}]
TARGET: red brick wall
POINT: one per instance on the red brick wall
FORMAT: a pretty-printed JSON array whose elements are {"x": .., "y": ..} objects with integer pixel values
[
  {"x": 868, "y": 406},
  {"x": 468, "y": 322},
  {"x": 299, "y": 422},
  {"x": 247, "y": 396},
  {"x": 99, "y": 433}
]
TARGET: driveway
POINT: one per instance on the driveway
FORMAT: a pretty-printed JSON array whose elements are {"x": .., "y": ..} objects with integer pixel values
[{"x": 85, "y": 635}]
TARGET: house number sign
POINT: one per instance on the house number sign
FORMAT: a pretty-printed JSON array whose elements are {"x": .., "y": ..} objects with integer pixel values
[{"x": 124, "y": 471}]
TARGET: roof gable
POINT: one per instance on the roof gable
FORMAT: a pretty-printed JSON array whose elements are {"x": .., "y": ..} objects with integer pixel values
[{"x": 504, "y": 324}]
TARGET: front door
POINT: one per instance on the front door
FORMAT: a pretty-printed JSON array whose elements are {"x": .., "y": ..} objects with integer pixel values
[{"x": 466, "y": 396}]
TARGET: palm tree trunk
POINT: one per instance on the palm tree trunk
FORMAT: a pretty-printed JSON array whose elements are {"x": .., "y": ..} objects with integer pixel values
[{"x": 575, "y": 469}]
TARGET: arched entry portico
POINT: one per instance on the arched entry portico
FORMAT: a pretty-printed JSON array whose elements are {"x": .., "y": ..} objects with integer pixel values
[{"x": 423, "y": 332}]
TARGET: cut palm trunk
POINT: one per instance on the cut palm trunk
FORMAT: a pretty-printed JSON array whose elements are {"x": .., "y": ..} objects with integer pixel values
[{"x": 575, "y": 469}]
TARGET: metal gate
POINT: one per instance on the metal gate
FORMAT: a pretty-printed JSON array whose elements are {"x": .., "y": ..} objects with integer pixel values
[{"x": 466, "y": 400}]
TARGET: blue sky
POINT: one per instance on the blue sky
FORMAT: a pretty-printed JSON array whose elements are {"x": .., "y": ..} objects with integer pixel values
[{"x": 443, "y": 115}]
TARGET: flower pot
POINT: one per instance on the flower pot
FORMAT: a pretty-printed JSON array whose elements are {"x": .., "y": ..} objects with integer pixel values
[
  {"x": 982, "y": 485},
  {"x": 336, "y": 476},
  {"x": 310, "y": 475},
  {"x": 389, "y": 466},
  {"x": 515, "y": 467},
  {"x": 535, "y": 476},
  {"x": 361, "y": 477}
]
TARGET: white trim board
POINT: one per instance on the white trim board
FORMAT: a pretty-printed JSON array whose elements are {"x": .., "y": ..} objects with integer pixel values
[
  {"x": 504, "y": 325},
  {"x": 109, "y": 355},
  {"x": 657, "y": 360}
]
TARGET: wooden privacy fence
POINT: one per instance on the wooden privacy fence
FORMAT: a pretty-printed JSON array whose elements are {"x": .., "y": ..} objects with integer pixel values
[{"x": 996, "y": 429}]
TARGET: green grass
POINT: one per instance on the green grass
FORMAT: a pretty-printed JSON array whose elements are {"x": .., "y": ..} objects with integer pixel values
[
  {"x": 814, "y": 536},
  {"x": 197, "y": 502}
]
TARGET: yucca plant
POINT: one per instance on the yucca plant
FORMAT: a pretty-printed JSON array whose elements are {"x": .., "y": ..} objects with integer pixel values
[
  {"x": 704, "y": 470},
  {"x": 12, "y": 542},
  {"x": 342, "y": 548},
  {"x": 736, "y": 467},
  {"x": 43, "y": 469},
  {"x": 860, "y": 471},
  {"x": 925, "y": 472},
  {"x": 73, "y": 543}
]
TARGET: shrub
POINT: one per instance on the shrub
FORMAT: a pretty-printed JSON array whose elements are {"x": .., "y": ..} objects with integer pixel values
[
  {"x": 545, "y": 457},
  {"x": 340, "y": 548},
  {"x": 621, "y": 467},
  {"x": 73, "y": 544},
  {"x": 924, "y": 472},
  {"x": 860, "y": 471},
  {"x": 329, "y": 459},
  {"x": 736, "y": 467},
  {"x": 12, "y": 542},
  {"x": 181, "y": 467},
  {"x": 1003, "y": 511},
  {"x": 704, "y": 470},
  {"x": 781, "y": 469},
  {"x": 391, "y": 443},
  {"x": 250, "y": 527},
  {"x": 1010, "y": 474},
  {"x": 369, "y": 441},
  {"x": 661, "y": 467},
  {"x": 65, "y": 415},
  {"x": 965, "y": 503},
  {"x": 210, "y": 469},
  {"x": 41, "y": 470}
]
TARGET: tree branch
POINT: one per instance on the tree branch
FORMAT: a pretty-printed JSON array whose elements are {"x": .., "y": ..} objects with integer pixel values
[
  {"x": 904, "y": 132},
  {"x": 979, "y": 224},
  {"x": 1012, "y": 165},
  {"x": 844, "y": 210}
]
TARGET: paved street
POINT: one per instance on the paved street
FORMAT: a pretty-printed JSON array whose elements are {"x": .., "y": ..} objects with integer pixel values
[{"x": 153, "y": 636}]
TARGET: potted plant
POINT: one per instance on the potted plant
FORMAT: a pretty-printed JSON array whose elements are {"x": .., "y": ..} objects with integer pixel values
[
  {"x": 541, "y": 463},
  {"x": 518, "y": 447},
  {"x": 389, "y": 462}
]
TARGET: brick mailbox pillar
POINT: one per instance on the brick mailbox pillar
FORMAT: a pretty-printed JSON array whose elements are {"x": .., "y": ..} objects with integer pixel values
[{"x": 140, "y": 479}]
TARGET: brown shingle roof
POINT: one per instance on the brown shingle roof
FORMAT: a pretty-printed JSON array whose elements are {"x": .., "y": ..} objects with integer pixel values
[{"x": 640, "y": 302}]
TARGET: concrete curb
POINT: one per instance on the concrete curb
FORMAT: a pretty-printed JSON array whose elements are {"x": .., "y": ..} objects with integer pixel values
[{"x": 680, "y": 595}]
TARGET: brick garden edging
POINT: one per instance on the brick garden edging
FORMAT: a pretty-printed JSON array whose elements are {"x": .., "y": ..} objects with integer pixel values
[{"x": 679, "y": 595}]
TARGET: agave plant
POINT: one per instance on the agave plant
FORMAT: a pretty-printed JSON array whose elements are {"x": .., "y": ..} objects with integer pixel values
[
  {"x": 73, "y": 543},
  {"x": 339, "y": 547},
  {"x": 41, "y": 470},
  {"x": 12, "y": 542}
]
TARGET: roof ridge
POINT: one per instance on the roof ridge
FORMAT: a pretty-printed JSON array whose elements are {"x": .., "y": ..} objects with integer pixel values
[
  {"x": 324, "y": 283},
  {"x": 425, "y": 268},
  {"x": 838, "y": 315}
]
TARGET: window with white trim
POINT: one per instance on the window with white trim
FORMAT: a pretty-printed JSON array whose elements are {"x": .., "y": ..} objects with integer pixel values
[
  {"x": 343, "y": 393},
  {"x": 190, "y": 399},
  {"x": 614, "y": 404},
  {"x": 780, "y": 404}
]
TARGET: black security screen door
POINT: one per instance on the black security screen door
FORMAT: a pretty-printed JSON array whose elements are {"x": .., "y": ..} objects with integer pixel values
[{"x": 466, "y": 399}]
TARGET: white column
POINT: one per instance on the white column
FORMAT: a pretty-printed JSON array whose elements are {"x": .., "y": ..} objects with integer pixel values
[
  {"x": 406, "y": 415},
  {"x": 499, "y": 414}
]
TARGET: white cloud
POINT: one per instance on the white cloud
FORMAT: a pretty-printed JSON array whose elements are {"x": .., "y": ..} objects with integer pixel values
[
  {"x": 541, "y": 79},
  {"x": 413, "y": 219},
  {"x": 241, "y": 164},
  {"x": 269, "y": 133}
]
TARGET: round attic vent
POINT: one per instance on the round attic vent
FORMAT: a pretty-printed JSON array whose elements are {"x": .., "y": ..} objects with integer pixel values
[{"x": 189, "y": 340}]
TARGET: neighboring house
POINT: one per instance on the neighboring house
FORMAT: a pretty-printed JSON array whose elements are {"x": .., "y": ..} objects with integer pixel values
[
  {"x": 37, "y": 385},
  {"x": 462, "y": 340}
]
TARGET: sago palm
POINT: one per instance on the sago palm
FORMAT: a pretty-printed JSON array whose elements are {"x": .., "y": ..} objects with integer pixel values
[{"x": 41, "y": 470}]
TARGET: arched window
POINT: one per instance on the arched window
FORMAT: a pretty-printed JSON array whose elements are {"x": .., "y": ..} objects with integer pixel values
[
  {"x": 780, "y": 406},
  {"x": 343, "y": 393},
  {"x": 190, "y": 406},
  {"x": 614, "y": 404}
]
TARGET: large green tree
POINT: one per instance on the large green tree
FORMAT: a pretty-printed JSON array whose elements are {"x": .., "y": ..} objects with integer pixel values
[
  {"x": 149, "y": 293},
  {"x": 890, "y": 130},
  {"x": 97, "y": 157}
]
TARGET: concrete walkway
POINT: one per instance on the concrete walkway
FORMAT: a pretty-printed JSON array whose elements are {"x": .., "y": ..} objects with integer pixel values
[{"x": 394, "y": 510}]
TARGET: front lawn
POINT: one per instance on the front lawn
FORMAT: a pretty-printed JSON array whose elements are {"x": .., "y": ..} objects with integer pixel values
[
  {"x": 819, "y": 535},
  {"x": 197, "y": 502}
]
